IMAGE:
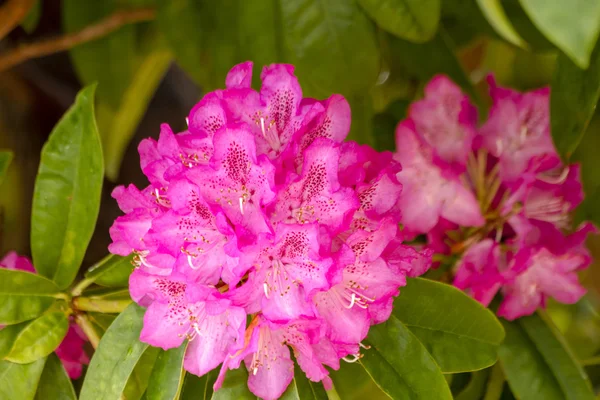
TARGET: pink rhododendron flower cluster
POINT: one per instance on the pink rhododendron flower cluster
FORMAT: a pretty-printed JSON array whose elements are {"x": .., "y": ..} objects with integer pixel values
[
  {"x": 497, "y": 195},
  {"x": 262, "y": 232},
  {"x": 71, "y": 350}
]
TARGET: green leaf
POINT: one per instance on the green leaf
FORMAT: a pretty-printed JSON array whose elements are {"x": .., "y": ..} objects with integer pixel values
[
  {"x": 573, "y": 29},
  {"x": 116, "y": 356},
  {"x": 167, "y": 376},
  {"x": 428, "y": 59},
  {"x": 39, "y": 338},
  {"x": 140, "y": 377},
  {"x": 235, "y": 386},
  {"x": 8, "y": 334},
  {"x": 537, "y": 363},
  {"x": 464, "y": 337},
  {"x": 20, "y": 381},
  {"x": 111, "y": 271},
  {"x": 6, "y": 157},
  {"x": 494, "y": 13},
  {"x": 476, "y": 386},
  {"x": 198, "y": 388},
  {"x": 352, "y": 382},
  {"x": 55, "y": 384},
  {"x": 66, "y": 197},
  {"x": 322, "y": 38},
  {"x": 118, "y": 126},
  {"x": 414, "y": 20},
  {"x": 401, "y": 365},
  {"x": 103, "y": 321},
  {"x": 134, "y": 62},
  {"x": 573, "y": 99},
  {"x": 33, "y": 17},
  {"x": 301, "y": 388},
  {"x": 24, "y": 295}
]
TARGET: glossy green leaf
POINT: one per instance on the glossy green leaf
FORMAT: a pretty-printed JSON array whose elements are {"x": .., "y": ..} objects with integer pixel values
[
  {"x": 134, "y": 62},
  {"x": 20, "y": 381},
  {"x": 116, "y": 356},
  {"x": 67, "y": 192},
  {"x": 301, "y": 388},
  {"x": 526, "y": 29},
  {"x": 414, "y": 20},
  {"x": 464, "y": 337},
  {"x": 55, "y": 384},
  {"x": 138, "y": 381},
  {"x": 198, "y": 387},
  {"x": 5, "y": 159},
  {"x": 118, "y": 126},
  {"x": 235, "y": 386},
  {"x": 352, "y": 382},
  {"x": 573, "y": 29},
  {"x": 537, "y": 363},
  {"x": 401, "y": 365},
  {"x": 24, "y": 295},
  {"x": 111, "y": 271},
  {"x": 322, "y": 38},
  {"x": 33, "y": 17},
  {"x": 39, "y": 338},
  {"x": 476, "y": 386},
  {"x": 167, "y": 376},
  {"x": 428, "y": 59},
  {"x": 8, "y": 335},
  {"x": 102, "y": 321},
  {"x": 573, "y": 99},
  {"x": 494, "y": 13},
  {"x": 570, "y": 375}
]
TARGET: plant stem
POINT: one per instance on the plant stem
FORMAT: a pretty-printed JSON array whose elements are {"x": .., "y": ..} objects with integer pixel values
[
  {"x": 100, "y": 305},
  {"x": 81, "y": 286},
  {"x": 12, "y": 13},
  {"x": 49, "y": 46},
  {"x": 86, "y": 325},
  {"x": 590, "y": 361}
]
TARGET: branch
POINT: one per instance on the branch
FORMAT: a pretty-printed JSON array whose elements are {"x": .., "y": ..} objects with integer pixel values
[
  {"x": 92, "y": 32},
  {"x": 13, "y": 12}
]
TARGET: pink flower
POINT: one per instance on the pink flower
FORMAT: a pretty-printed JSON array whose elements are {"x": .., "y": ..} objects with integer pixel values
[
  {"x": 260, "y": 210},
  {"x": 548, "y": 271},
  {"x": 71, "y": 350},
  {"x": 430, "y": 192},
  {"x": 479, "y": 271},
  {"x": 498, "y": 196},
  {"x": 446, "y": 120},
  {"x": 517, "y": 129}
]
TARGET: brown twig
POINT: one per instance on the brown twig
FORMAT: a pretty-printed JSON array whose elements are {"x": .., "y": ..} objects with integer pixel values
[
  {"x": 13, "y": 12},
  {"x": 101, "y": 28}
]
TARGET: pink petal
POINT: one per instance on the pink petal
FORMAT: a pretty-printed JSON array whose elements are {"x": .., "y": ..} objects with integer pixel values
[{"x": 240, "y": 76}]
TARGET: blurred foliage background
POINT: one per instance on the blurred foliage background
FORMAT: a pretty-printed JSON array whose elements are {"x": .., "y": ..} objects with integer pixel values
[{"x": 153, "y": 59}]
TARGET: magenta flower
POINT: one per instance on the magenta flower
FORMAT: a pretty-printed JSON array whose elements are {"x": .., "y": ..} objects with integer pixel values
[
  {"x": 430, "y": 191},
  {"x": 260, "y": 210},
  {"x": 498, "y": 196},
  {"x": 71, "y": 350}
]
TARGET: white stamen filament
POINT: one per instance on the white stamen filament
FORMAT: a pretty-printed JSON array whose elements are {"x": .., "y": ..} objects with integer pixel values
[
  {"x": 262, "y": 127},
  {"x": 255, "y": 371},
  {"x": 192, "y": 266},
  {"x": 187, "y": 121},
  {"x": 242, "y": 205},
  {"x": 266, "y": 289},
  {"x": 351, "y": 360},
  {"x": 364, "y": 346},
  {"x": 352, "y": 300},
  {"x": 499, "y": 146},
  {"x": 560, "y": 179}
]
